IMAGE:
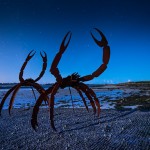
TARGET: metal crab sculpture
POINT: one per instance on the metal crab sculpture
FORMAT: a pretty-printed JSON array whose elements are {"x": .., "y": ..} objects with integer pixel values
[
  {"x": 74, "y": 80},
  {"x": 25, "y": 82}
]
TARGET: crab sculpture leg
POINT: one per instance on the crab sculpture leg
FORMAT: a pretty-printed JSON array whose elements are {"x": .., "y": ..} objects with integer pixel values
[
  {"x": 83, "y": 99},
  {"x": 39, "y": 88},
  {"x": 38, "y": 103},
  {"x": 91, "y": 95},
  {"x": 13, "y": 96},
  {"x": 84, "y": 90},
  {"x": 52, "y": 97},
  {"x": 27, "y": 82},
  {"x": 5, "y": 97}
]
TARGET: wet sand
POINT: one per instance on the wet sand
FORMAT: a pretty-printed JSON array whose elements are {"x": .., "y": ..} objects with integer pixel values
[{"x": 114, "y": 129}]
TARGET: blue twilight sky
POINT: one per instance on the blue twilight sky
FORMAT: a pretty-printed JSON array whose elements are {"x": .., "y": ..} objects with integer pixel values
[{"x": 42, "y": 24}]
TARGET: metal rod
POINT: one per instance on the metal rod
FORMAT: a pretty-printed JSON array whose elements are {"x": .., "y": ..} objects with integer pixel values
[
  {"x": 33, "y": 93},
  {"x": 71, "y": 98}
]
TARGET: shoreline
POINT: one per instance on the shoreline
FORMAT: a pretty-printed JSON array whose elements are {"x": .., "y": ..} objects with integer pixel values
[
  {"x": 129, "y": 129},
  {"x": 109, "y": 97}
]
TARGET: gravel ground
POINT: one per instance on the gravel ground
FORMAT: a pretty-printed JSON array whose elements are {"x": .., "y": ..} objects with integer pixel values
[{"x": 118, "y": 130}]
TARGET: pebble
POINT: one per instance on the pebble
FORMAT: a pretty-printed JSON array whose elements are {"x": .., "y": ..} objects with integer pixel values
[{"x": 113, "y": 130}]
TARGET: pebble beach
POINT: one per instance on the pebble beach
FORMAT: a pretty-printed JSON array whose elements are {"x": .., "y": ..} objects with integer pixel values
[{"x": 76, "y": 129}]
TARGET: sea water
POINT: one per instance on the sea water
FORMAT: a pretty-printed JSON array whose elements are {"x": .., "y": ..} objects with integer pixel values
[{"x": 25, "y": 98}]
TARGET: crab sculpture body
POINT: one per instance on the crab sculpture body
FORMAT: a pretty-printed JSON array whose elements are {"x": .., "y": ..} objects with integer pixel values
[
  {"x": 25, "y": 82},
  {"x": 74, "y": 80}
]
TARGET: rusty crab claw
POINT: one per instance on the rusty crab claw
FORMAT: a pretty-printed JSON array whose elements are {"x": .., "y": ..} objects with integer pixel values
[
  {"x": 106, "y": 56},
  {"x": 63, "y": 46},
  {"x": 103, "y": 43},
  {"x": 44, "y": 56},
  {"x": 24, "y": 65},
  {"x": 54, "y": 69},
  {"x": 30, "y": 56}
]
